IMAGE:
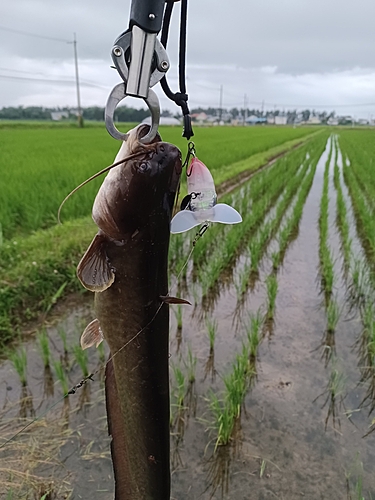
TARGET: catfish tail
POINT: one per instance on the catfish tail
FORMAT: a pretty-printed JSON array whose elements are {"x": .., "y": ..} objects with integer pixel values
[{"x": 117, "y": 432}]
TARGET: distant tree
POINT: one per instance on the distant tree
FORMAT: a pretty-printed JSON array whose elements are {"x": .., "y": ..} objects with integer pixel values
[
  {"x": 305, "y": 115},
  {"x": 125, "y": 114},
  {"x": 93, "y": 113}
]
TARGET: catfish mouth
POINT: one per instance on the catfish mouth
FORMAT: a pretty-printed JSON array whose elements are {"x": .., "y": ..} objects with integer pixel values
[{"x": 143, "y": 130}]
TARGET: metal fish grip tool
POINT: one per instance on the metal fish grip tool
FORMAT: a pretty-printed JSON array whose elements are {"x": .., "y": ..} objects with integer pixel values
[{"x": 141, "y": 60}]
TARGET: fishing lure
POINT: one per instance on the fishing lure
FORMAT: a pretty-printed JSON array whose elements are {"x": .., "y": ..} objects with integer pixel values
[{"x": 200, "y": 205}]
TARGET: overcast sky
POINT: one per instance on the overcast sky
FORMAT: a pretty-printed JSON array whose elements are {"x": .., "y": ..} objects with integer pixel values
[{"x": 291, "y": 54}]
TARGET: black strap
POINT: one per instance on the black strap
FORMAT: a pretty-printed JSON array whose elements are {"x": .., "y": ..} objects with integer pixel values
[{"x": 180, "y": 98}]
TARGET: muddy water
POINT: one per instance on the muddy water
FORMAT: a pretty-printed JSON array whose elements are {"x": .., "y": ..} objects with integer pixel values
[{"x": 295, "y": 439}]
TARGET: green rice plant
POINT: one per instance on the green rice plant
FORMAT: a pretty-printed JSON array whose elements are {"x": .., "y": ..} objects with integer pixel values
[
  {"x": 272, "y": 287},
  {"x": 253, "y": 332},
  {"x": 19, "y": 361},
  {"x": 275, "y": 257},
  {"x": 242, "y": 282},
  {"x": 178, "y": 314},
  {"x": 181, "y": 387},
  {"x": 226, "y": 411},
  {"x": 211, "y": 325},
  {"x": 61, "y": 375},
  {"x": 255, "y": 250},
  {"x": 63, "y": 336},
  {"x": 342, "y": 219},
  {"x": 333, "y": 315},
  {"x": 45, "y": 352},
  {"x": 190, "y": 364},
  {"x": 368, "y": 337},
  {"x": 359, "y": 287},
  {"x": 354, "y": 481},
  {"x": 328, "y": 276},
  {"x": 222, "y": 420},
  {"x": 82, "y": 359}
]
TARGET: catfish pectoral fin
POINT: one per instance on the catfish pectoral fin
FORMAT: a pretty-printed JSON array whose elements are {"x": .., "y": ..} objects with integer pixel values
[
  {"x": 94, "y": 270},
  {"x": 92, "y": 335},
  {"x": 173, "y": 300}
]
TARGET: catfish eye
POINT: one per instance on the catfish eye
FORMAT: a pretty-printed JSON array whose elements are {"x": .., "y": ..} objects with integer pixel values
[{"x": 144, "y": 167}]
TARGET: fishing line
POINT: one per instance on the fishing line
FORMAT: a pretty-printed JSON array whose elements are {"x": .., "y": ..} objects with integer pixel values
[{"x": 106, "y": 169}]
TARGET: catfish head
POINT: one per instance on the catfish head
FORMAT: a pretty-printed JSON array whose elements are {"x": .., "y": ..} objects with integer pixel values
[{"x": 140, "y": 189}]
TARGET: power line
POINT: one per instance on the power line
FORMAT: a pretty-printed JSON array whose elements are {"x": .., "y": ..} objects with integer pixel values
[
  {"x": 45, "y": 74},
  {"x": 35, "y": 35},
  {"x": 46, "y": 80}
]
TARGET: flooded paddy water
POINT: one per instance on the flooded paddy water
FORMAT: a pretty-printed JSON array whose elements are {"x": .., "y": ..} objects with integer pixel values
[{"x": 302, "y": 430}]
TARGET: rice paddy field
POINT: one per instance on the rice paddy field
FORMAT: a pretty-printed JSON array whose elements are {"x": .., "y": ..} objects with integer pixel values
[{"x": 272, "y": 369}]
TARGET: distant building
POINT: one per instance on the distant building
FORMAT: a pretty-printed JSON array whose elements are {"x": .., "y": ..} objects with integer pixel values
[
  {"x": 164, "y": 120},
  {"x": 333, "y": 121},
  {"x": 314, "y": 120},
  {"x": 363, "y": 121},
  {"x": 281, "y": 119},
  {"x": 256, "y": 120},
  {"x": 59, "y": 115},
  {"x": 199, "y": 117}
]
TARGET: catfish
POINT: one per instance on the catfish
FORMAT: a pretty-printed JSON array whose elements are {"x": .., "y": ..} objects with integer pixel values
[{"x": 126, "y": 267}]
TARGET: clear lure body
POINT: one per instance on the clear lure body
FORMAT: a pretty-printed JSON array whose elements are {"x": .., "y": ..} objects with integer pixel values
[{"x": 200, "y": 205}]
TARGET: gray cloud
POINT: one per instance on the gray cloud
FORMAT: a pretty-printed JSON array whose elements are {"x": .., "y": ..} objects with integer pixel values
[{"x": 280, "y": 51}]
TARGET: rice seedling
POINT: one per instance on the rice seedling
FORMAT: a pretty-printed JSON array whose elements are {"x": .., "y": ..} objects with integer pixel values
[
  {"x": 45, "y": 352},
  {"x": 275, "y": 257},
  {"x": 181, "y": 387},
  {"x": 272, "y": 287},
  {"x": 253, "y": 332},
  {"x": 61, "y": 375},
  {"x": 242, "y": 282},
  {"x": 82, "y": 359},
  {"x": 328, "y": 276},
  {"x": 190, "y": 364},
  {"x": 19, "y": 361},
  {"x": 333, "y": 315},
  {"x": 178, "y": 315},
  {"x": 222, "y": 420},
  {"x": 63, "y": 337},
  {"x": 255, "y": 253},
  {"x": 211, "y": 325}
]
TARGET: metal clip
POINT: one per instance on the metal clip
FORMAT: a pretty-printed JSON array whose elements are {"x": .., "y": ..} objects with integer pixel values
[
  {"x": 150, "y": 63},
  {"x": 117, "y": 95}
]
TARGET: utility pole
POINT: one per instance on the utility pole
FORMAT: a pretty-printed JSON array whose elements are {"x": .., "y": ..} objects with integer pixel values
[
  {"x": 80, "y": 117},
  {"x": 221, "y": 103}
]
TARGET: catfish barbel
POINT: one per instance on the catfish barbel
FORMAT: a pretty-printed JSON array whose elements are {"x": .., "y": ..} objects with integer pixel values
[{"x": 126, "y": 267}]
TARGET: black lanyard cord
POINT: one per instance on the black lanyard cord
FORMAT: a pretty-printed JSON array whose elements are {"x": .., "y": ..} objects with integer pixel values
[{"x": 180, "y": 98}]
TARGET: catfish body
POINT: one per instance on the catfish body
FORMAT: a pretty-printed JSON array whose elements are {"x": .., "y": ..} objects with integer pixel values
[{"x": 126, "y": 265}]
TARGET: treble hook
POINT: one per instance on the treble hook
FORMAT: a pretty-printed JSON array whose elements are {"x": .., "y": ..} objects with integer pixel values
[{"x": 118, "y": 94}]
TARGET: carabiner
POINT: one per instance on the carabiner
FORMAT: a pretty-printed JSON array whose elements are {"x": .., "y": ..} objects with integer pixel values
[{"x": 118, "y": 94}]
